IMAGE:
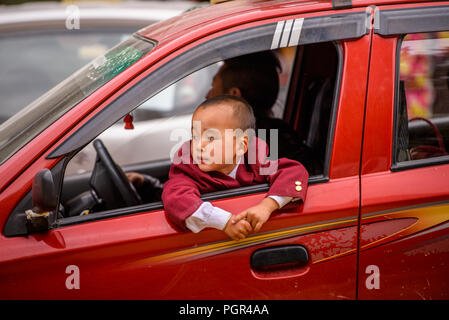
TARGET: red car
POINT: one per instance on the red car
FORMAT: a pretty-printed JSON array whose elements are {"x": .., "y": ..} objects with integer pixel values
[{"x": 366, "y": 89}]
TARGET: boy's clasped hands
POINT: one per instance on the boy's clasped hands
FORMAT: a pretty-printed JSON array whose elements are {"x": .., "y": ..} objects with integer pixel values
[{"x": 250, "y": 220}]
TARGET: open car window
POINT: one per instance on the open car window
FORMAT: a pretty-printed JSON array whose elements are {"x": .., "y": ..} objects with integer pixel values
[
  {"x": 301, "y": 115},
  {"x": 150, "y": 139},
  {"x": 157, "y": 121}
]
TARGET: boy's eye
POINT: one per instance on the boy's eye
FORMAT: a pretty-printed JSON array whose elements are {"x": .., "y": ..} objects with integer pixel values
[
  {"x": 210, "y": 138},
  {"x": 194, "y": 137}
]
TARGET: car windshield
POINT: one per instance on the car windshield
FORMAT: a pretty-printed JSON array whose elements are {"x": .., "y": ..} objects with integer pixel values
[{"x": 37, "y": 116}]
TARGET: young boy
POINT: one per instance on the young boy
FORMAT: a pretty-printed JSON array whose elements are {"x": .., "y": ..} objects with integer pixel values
[{"x": 216, "y": 160}]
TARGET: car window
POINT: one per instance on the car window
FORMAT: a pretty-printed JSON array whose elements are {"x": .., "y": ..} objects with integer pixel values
[
  {"x": 33, "y": 63},
  {"x": 162, "y": 120},
  {"x": 153, "y": 121},
  {"x": 422, "y": 116},
  {"x": 157, "y": 120},
  {"x": 305, "y": 110},
  {"x": 312, "y": 113},
  {"x": 302, "y": 120}
]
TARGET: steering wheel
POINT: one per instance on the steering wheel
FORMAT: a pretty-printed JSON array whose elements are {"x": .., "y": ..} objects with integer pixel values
[
  {"x": 425, "y": 151},
  {"x": 118, "y": 193}
]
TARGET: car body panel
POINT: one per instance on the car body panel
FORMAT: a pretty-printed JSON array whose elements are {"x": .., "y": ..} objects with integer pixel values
[
  {"x": 239, "y": 12},
  {"x": 147, "y": 252}
]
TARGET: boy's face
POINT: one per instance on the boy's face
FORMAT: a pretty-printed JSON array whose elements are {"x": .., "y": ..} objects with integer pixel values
[{"x": 215, "y": 147}]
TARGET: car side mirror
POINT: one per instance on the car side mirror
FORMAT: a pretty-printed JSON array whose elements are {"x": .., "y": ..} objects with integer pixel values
[{"x": 43, "y": 195}]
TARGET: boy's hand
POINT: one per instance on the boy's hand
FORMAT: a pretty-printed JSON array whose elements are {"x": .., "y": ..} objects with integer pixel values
[
  {"x": 135, "y": 178},
  {"x": 238, "y": 230},
  {"x": 258, "y": 214}
]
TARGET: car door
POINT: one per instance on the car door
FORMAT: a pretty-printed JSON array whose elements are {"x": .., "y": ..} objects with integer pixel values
[
  {"x": 135, "y": 252},
  {"x": 404, "y": 183}
]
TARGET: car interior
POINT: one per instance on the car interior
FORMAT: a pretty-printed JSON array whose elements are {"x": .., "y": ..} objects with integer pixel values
[{"x": 307, "y": 105}]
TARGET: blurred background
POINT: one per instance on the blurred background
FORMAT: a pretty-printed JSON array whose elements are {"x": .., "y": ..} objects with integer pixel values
[{"x": 43, "y": 42}]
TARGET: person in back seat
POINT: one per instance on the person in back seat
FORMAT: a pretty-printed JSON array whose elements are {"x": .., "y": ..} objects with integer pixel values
[{"x": 255, "y": 77}]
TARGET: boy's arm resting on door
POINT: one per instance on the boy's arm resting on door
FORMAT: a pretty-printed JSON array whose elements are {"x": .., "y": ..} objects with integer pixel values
[
  {"x": 181, "y": 198},
  {"x": 187, "y": 211},
  {"x": 290, "y": 180}
]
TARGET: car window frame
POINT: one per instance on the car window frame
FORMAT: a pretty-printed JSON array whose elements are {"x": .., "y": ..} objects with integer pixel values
[
  {"x": 226, "y": 194},
  {"x": 353, "y": 24},
  {"x": 388, "y": 28},
  {"x": 357, "y": 23},
  {"x": 291, "y": 101}
]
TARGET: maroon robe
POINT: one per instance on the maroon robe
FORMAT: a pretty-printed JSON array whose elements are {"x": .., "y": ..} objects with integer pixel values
[{"x": 181, "y": 193}]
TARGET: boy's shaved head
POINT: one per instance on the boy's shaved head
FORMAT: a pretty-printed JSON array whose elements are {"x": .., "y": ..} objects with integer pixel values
[{"x": 242, "y": 111}]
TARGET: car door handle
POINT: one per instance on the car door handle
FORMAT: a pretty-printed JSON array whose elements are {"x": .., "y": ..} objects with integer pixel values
[{"x": 279, "y": 257}]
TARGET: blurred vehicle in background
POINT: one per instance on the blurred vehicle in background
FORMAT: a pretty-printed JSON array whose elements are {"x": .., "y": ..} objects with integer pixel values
[{"x": 41, "y": 44}]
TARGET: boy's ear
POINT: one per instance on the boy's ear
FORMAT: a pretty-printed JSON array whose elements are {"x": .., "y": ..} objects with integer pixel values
[
  {"x": 235, "y": 92},
  {"x": 242, "y": 147}
]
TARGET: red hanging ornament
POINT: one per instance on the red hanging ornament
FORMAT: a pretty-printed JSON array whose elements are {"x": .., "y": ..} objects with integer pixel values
[{"x": 128, "y": 120}]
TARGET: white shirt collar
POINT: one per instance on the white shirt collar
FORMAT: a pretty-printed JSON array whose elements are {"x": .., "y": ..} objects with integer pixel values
[{"x": 233, "y": 173}]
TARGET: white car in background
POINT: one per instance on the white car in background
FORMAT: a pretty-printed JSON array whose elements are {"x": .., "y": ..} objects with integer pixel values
[{"x": 43, "y": 43}]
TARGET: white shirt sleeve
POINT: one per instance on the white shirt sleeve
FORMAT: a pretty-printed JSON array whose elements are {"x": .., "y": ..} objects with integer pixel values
[
  {"x": 207, "y": 216},
  {"x": 282, "y": 201}
]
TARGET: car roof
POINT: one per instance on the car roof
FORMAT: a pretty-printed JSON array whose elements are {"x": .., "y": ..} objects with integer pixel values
[
  {"x": 240, "y": 11},
  {"x": 53, "y": 14}
]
